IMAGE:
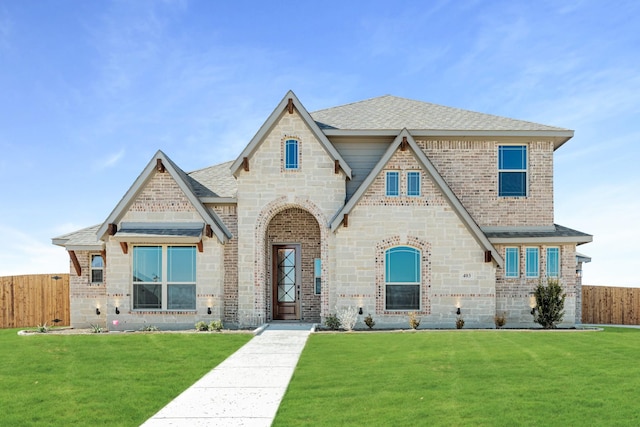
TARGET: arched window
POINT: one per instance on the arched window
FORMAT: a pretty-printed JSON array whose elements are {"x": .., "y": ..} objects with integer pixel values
[
  {"x": 402, "y": 278},
  {"x": 291, "y": 156}
]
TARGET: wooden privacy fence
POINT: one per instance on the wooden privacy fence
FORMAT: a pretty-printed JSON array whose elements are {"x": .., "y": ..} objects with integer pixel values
[
  {"x": 32, "y": 300},
  {"x": 610, "y": 305}
]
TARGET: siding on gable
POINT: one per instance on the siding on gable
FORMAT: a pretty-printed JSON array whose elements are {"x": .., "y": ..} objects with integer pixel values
[{"x": 362, "y": 154}]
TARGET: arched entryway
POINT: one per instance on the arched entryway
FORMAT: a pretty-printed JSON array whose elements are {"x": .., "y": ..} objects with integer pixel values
[{"x": 293, "y": 258}]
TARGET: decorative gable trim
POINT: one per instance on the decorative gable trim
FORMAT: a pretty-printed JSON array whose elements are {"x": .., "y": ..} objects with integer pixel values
[
  {"x": 160, "y": 159},
  {"x": 404, "y": 138},
  {"x": 288, "y": 103}
]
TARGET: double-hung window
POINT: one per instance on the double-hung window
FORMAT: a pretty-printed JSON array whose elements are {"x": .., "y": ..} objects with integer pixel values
[
  {"x": 97, "y": 269},
  {"x": 413, "y": 183},
  {"x": 402, "y": 278},
  {"x": 532, "y": 261},
  {"x": 164, "y": 277},
  {"x": 392, "y": 187},
  {"x": 512, "y": 262},
  {"x": 512, "y": 170},
  {"x": 291, "y": 154},
  {"x": 553, "y": 262}
]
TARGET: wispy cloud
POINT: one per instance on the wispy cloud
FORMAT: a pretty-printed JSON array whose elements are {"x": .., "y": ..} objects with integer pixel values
[
  {"x": 112, "y": 160},
  {"x": 28, "y": 254}
]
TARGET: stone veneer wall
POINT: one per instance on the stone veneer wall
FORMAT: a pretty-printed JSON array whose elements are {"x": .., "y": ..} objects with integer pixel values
[
  {"x": 514, "y": 296},
  {"x": 84, "y": 296},
  {"x": 453, "y": 268},
  {"x": 162, "y": 201},
  {"x": 470, "y": 167},
  {"x": 295, "y": 225},
  {"x": 265, "y": 190}
]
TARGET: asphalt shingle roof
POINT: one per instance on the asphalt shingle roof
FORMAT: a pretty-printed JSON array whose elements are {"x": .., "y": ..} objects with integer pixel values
[
  {"x": 560, "y": 231},
  {"x": 392, "y": 112},
  {"x": 214, "y": 181}
]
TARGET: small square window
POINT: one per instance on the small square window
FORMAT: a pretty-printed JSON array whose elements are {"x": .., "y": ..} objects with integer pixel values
[
  {"x": 413, "y": 183},
  {"x": 393, "y": 184}
]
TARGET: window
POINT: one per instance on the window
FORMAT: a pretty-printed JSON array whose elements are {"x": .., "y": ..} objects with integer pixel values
[
  {"x": 393, "y": 184},
  {"x": 291, "y": 154},
  {"x": 413, "y": 183},
  {"x": 164, "y": 277},
  {"x": 317, "y": 275},
  {"x": 97, "y": 269},
  {"x": 512, "y": 262},
  {"x": 402, "y": 278},
  {"x": 553, "y": 262},
  {"x": 512, "y": 171},
  {"x": 532, "y": 262}
]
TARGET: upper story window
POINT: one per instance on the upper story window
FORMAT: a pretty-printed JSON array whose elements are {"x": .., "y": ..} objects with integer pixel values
[
  {"x": 532, "y": 261},
  {"x": 512, "y": 171},
  {"x": 392, "y": 187},
  {"x": 553, "y": 262},
  {"x": 97, "y": 269},
  {"x": 402, "y": 278},
  {"x": 291, "y": 154},
  {"x": 512, "y": 262},
  {"x": 164, "y": 277},
  {"x": 413, "y": 183}
]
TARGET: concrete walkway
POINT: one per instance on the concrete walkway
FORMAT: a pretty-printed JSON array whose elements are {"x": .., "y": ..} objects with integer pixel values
[{"x": 244, "y": 390}]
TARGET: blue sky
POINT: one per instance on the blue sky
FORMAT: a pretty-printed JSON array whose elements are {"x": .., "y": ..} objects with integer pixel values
[{"x": 90, "y": 90}]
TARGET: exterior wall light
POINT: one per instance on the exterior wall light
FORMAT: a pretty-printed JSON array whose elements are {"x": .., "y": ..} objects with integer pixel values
[
  {"x": 360, "y": 311},
  {"x": 458, "y": 311},
  {"x": 117, "y": 310},
  {"x": 208, "y": 310},
  {"x": 533, "y": 311},
  {"x": 97, "y": 311}
]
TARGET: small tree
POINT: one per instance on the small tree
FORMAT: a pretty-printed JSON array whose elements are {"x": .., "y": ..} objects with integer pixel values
[{"x": 549, "y": 304}]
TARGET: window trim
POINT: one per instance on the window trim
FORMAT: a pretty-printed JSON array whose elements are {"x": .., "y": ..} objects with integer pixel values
[
  {"x": 92, "y": 269},
  {"x": 530, "y": 273},
  {"x": 387, "y": 188},
  {"x": 419, "y": 184},
  {"x": 418, "y": 275},
  {"x": 525, "y": 170},
  {"x": 511, "y": 273},
  {"x": 557, "y": 263},
  {"x": 291, "y": 164},
  {"x": 164, "y": 278}
]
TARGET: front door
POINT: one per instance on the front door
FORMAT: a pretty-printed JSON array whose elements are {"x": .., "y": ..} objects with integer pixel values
[{"x": 286, "y": 282}]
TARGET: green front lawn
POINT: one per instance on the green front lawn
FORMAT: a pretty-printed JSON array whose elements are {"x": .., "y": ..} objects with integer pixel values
[
  {"x": 101, "y": 379},
  {"x": 466, "y": 378}
]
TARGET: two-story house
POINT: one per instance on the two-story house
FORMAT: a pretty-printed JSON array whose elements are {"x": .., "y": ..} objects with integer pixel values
[{"x": 389, "y": 205}]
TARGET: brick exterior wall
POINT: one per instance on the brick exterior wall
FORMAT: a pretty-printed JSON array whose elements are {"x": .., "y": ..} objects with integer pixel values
[
  {"x": 296, "y": 225},
  {"x": 229, "y": 216},
  {"x": 84, "y": 296},
  {"x": 470, "y": 168}
]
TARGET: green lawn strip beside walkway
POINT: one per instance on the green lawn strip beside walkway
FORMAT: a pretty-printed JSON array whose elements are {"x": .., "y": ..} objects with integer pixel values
[
  {"x": 466, "y": 378},
  {"x": 101, "y": 379}
]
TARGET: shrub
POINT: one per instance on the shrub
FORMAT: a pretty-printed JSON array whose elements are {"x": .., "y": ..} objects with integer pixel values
[
  {"x": 149, "y": 328},
  {"x": 42, "y": 328},
  {"x": 348, "y": 317},
  {"x": 96, "y": 329},
  {"x": 459, "y": 322},
  {"x": 414, "y": 320},
  {"x": 549, "y": 309},
  {"x": 369, "y": 321},
  {"x": 500, "y": 320},
  {"x": 202, "y": 326},
  {"x": 332, "y": 322},
  {"x": 215, "y": 325}
]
